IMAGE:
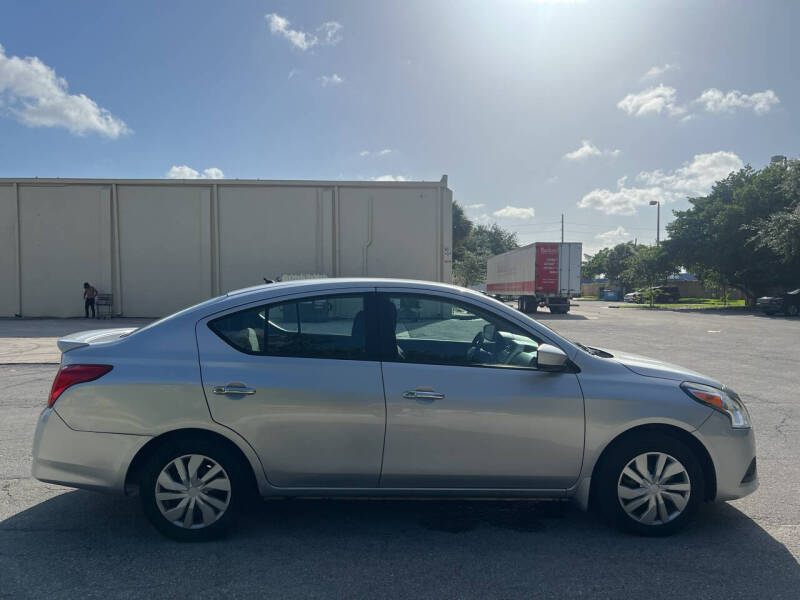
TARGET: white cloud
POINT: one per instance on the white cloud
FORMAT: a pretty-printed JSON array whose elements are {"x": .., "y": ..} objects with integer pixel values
[
  {"x": 654, "y": 100},
  {"x": 697, "y": 177},
  {"x": 182, "y": 172},
  {"x": 716, "y": 101},
  {"x": 692, "y": 179},
  {"x": 33, "y": 93},
  {"x": 588, "y": 149},
  {"x": 658, "y": 70},
  {"x": 663, "y": 99},
  {"x": 329, "y": 33},
  {"x": 482, "y": 219},
  {"x": 474, "y": 206},
  {"x": 333, "y": 79},
  {"x": 514, "y": 212},
  {"x": 187, "y": 172},
  {"x": 389, "y": 178},
  {"x": 613, "y": 237},
  {"x": 213, "y": 173},
  {"x": 384, "y": 152},
  {"x": 623, "y": 201}
]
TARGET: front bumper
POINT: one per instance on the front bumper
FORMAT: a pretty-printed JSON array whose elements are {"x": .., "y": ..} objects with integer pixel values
[
  {"x": 82, "y": 459},
  {"x": 733, "y": 452}
]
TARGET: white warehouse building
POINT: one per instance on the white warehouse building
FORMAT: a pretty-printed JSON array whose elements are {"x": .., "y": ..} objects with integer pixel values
[{"x": 160, "y": 245}]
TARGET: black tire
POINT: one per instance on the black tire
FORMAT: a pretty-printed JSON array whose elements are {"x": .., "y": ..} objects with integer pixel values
[
  {"x": 610, "y": 473},
  {"x": 791, "y": 310},
  {"x": 220, "y": 454},
  {"x": 527, "y": 305}
]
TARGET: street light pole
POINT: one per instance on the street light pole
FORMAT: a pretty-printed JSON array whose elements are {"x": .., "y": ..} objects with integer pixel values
[{"x": 657, "y": 203}]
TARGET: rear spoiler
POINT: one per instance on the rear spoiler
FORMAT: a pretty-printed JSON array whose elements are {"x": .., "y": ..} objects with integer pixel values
[{"x": 95, "y": 336}]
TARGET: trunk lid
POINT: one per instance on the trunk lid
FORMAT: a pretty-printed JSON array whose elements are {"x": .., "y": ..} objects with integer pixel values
[{"x": 81, "y": 339}]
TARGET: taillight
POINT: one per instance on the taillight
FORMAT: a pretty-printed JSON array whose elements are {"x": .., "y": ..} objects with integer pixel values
[{"x": 72, "y": 374}]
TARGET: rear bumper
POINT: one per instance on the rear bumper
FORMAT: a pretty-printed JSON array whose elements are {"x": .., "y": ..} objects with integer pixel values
[
  {"x": 733, "y": 452},
  {"x": 82, "y": 459}
]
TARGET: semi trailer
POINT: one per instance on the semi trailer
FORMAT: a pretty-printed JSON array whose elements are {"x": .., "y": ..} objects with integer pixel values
[{"x": 537, "y": 275}]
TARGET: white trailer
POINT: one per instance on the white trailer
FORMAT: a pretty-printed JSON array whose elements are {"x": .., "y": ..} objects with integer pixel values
[
  {"x": 540, "y": 274},
  {"x": 160, "y": 245}
]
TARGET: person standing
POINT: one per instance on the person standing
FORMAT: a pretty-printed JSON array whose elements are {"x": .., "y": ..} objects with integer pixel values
[{"x": 89, "y": 294}]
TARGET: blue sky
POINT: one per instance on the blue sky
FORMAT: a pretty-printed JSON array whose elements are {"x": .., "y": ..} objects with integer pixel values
[{"x": 533, "y": 109}]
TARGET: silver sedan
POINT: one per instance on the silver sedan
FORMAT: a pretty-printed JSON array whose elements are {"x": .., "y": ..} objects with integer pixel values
[{"x": 367, "y": 387}]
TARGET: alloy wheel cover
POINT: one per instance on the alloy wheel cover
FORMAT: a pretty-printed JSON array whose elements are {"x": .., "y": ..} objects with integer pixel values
[
  {"x": 193, "y": 491},
  {"x": 654, "y": 488}
]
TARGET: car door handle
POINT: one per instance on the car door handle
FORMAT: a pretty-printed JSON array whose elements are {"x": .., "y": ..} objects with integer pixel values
[
  {"x": 233, "y": 388},
  {"x": 423, "y": 395}
]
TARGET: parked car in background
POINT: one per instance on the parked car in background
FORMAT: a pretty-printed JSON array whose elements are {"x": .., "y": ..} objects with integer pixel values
[
  {"x": 663, "y": 294},
  {"x": 632, "y": 296},
  {"x": 381, "y": 387},
  {"x": 788, "y": 304}
]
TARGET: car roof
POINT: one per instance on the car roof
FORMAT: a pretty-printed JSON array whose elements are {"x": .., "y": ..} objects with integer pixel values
[
  {"x": 300, "y": 285},
  {"x": 268, "y": 291}
]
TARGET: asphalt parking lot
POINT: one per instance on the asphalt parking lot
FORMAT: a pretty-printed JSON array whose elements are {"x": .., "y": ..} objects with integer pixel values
[{"x": 56, "y": 542}]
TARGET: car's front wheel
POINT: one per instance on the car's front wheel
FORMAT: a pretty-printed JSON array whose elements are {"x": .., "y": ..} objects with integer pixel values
[
  {"x": 650, "y": 484},
  {"x": 191, "y": 490}
]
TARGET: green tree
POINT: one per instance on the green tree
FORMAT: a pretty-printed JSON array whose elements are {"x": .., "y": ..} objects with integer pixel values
[
  {"x": 649, "y": 266},
  {"x": 473, "y": 245},
  {"x": 780, "y": 231},
  {"x": 471, "y": 268},
  {"x": 462, "y": 227},
  {"x": 594, "y": 264},
  {"x": 617, "y": 264},
  {"x": 733, "y": 233}
]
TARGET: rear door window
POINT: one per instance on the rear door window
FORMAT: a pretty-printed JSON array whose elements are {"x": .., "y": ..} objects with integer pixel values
[{"x": 332, "y": 327}]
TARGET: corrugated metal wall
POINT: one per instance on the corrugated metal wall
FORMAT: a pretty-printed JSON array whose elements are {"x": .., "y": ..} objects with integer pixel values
[{"x": 159, "y": 246}]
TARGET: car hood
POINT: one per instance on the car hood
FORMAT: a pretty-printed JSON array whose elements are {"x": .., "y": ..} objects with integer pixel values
[{"x": 650, "y": 367}]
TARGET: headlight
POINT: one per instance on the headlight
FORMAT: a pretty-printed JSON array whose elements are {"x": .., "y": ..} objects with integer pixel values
[{"x": 725, "y": 401}]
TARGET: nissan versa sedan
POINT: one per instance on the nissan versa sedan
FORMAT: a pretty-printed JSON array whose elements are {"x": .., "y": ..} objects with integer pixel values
[{"x": 371, "y": 387}]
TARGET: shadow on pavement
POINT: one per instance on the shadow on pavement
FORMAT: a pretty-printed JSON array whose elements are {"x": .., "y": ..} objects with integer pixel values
[{"x": 88, "y": 544}]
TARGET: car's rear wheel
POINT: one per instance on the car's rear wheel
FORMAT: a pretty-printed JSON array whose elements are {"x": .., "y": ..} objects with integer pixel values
[
  {"x": 192, "y": 490},
  {"x": 650, "y": 484}
]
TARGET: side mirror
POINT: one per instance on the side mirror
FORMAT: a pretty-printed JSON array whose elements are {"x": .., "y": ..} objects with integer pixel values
[
  {"x": 488, "y": 332},
  {"x": 550, "y": 358}
]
